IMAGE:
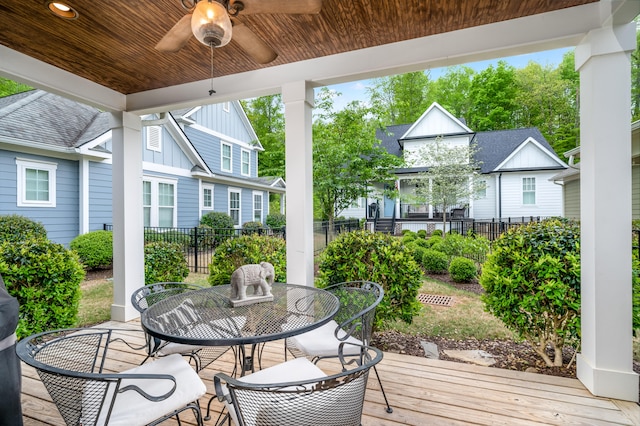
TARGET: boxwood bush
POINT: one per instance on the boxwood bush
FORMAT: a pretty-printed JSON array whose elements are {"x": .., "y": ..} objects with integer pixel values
[
  {"x": 532, "y": 283},
  {"x": 164, "y": 262},
  {"x": 276, "y": 220},
  {"x": 95, "y": 249},
  {"x": 252, "y": 228},
  {"x": 15, "y": 228},
  {"x": 435, "y": 262},
  {"x": 377, "y": 257},
  {"x": 247, "y": 249},
  {"x": 462, "y": 270},
  {"x": 45, "y": 277}
]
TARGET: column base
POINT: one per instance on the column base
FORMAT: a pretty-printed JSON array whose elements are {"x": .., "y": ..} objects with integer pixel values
[
  {"x": 123, "y": 313},
  {"x": 607, "y": 383}
]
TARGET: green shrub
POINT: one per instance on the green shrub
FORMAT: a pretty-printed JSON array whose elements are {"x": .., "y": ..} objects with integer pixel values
[
  {"x": 252, "y": 228},
  {"x": 217, "y": 220},
  {"x": 95, "y": 249},
  {"x": 406, "y": 232},
  {"x": 462, "y": 270},
  {"x": 421, "y": 242},
  {"x": 247, "y": 249},
  {"x": 422, "y": 233},
  {"x": 408, "y": 236},
  {"x": 434, "y": 239},
  {"x": 377, "y": 257},
  {"x": 45, "y": 277},
  {"x": 417, "y": 251},
  {"x": 164, "y": 262},
  {"x": 475, "y": 248},
  {"x": 437, "y": 233},
  {"x": 636, "y": 293},
  {"x": 276, "y": 220},
  {"x": 15, "y": 228},
  {"x": 434, "y": 262},
  {"x": 532, "y": 284}
]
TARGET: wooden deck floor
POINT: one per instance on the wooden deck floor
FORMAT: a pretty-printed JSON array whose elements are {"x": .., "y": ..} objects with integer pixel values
[{"x": 421, "y": 392}]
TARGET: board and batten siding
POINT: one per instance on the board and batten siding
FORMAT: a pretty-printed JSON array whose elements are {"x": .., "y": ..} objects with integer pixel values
[
  {"x": 485, "y": 207},
  {"x": 571, "y": 191},
  {"x": 227, "y": 123},
  {"x": 61, "y": 221},
  {"x": 548, "y": 195},
  {"x": 100, "y": 195},
  {"x": 170, "y": 154}
]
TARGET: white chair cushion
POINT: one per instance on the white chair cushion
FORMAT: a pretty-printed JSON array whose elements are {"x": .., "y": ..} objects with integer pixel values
[
  {"x": 323, "y": 342},
  {"x": 131, "y": 408},
  {"x": 291, "y": 371}
]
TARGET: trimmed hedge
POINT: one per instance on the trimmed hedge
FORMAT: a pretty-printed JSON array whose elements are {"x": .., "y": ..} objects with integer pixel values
[
  {"x": 15, "y": 228},
  {"x": 95, "y": 249},
  {"x": 462, "y": 270},
  {"x": 164, "y": 262}
]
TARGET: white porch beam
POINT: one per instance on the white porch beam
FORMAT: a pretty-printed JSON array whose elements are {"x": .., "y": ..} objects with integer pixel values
[
  {"x": 128, "y": 238},
  {"x": 605, "y": 364},
  {"x": 297, "y": 98}
]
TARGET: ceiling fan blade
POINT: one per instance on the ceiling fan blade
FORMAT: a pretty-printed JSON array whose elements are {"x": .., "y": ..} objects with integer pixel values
[
  {"x": 278, "y": 6},
  {"x": 177, "y": 37},
  {"x": 250, "y": 43}
]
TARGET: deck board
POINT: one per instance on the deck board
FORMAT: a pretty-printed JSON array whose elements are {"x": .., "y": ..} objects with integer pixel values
[{"x": 421, "y": 391}]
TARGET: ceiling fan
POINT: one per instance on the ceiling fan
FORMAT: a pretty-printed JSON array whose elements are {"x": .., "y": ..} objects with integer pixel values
[{"x": 213, "y": 22}]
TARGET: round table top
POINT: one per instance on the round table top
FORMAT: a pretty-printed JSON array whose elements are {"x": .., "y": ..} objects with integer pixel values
[{"x": 207, "y": 318}]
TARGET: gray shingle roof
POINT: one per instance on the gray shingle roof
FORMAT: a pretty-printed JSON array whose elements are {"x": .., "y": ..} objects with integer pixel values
[
  {"x": 493, "y": 147},
  {"x": 52, "y": 119}
]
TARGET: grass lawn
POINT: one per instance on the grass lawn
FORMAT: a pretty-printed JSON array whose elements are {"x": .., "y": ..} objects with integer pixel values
[{"x": 465, "y": 319}]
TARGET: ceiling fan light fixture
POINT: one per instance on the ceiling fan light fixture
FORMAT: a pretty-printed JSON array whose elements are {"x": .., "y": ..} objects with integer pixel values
[
  {"x": 62, "y": 10},
  {"x": 210, "y": 23}
]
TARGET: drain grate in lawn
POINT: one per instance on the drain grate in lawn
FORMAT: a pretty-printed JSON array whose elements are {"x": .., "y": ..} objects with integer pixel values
[{"x": 435, "y": 299}]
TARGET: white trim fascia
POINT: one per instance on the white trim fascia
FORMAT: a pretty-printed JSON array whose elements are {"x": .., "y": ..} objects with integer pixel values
[
  {"x": 161, "y": 168},
  {"x": 520, "y": 147},
  {"x": 247, "y": 124},
  {"x": 280, "y": 182},
  {"x": 243, "y": 183},
  {"x": 188, "y": 114},
  {"x": 424, "y": 114},
  {"x": 21, "y": 143},
  {"x": 185, "y": 144},
  {"x": 224, "y": 137}
]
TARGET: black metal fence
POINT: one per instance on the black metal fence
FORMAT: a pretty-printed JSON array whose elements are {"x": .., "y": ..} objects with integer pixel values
[
  {"x": 490, "y": 229},
  {"x": 323, "y": 235},
  {"x": 199, "y": 242}
]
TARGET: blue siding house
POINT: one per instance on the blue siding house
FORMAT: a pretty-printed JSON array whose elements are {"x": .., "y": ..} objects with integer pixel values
[{"x": 55, "y": 165}]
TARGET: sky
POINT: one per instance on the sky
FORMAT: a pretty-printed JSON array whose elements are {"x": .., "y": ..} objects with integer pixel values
[{"x": 356, "y": 90}]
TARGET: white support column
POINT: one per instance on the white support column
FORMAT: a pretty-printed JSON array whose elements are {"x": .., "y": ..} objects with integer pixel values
[
  {"x": 128, "y": 239},
  {"x": 298, "y": 107},
  {"x": 605, "y": 363},
  {"x": 83, "y": 199}
]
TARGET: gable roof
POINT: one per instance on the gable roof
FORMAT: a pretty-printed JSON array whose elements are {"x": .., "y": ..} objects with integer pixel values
[
  {"x": 494, "y": 147},
  {"x": 52, "y": 120},
  {"x": 450, "y": 124}
]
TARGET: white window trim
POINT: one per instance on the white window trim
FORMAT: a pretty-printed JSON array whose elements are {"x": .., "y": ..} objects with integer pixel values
[
  {"x": 242, "y": 151},
  {"x": 253, "y": 206},
  {"x": 239, "y": 192},
  {"x": 21, "y": 166},
  {"x": 226, "y": 106},
  {"x": 154, "y": 216},
  {"x": 230, "y": 169},
  {"x": 535, "y": 195},
  {"x": 207, "y": 186},
  {"x": 157, "y": 132}
]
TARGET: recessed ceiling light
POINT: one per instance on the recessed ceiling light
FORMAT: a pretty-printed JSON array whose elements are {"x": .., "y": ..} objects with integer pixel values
[{"x": 62, "y": 10}]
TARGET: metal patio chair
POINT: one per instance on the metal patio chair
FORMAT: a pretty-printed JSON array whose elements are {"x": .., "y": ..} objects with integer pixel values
[
  {"x": 73, "y": 365},
  {"x": 146, "y": 296},
  {"x": 352, "y": 323},
  {"x": 298, "y": 393}
]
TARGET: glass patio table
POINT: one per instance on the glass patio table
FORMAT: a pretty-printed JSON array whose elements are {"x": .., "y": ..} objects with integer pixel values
[{"x": 207, "y": 318}]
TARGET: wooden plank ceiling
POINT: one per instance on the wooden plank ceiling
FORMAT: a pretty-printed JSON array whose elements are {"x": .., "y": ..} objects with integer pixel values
[{"x": 112, "y": 42}]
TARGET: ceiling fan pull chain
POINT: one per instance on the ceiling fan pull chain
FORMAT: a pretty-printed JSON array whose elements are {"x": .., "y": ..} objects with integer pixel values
[{"x": 211, "y": 91}]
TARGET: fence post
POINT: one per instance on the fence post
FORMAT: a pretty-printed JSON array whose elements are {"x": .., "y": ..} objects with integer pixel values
[{"x": 195, "y": 249}]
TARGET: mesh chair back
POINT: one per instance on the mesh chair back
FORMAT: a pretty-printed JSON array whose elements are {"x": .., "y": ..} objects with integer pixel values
[
  {"x": 358, "y": 302},
  {"x": 146, "y": 296},
  {"x": 328, "y": 401},
  {"x": 63, "y": 362}
]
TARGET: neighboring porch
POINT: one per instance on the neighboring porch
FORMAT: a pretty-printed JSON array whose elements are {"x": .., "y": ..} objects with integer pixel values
[{"x": 421, "y": 391}]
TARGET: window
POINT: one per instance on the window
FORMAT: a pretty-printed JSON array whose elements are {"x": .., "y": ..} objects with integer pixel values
[
  {"x": 482, "y": 189},
  {"x": 234, "y": 206},
  {"x": 207, "y": 197},
  {"x": 257, "y": 207},
  {"x": 154, "y": 138},
  {"x": 226, "y": 157},
  {"x": 528, "y": 191},
  {"x": 36, "y": 183},
  {"x": 159, "y": 202},
  {"x": 245, "y": 156}
]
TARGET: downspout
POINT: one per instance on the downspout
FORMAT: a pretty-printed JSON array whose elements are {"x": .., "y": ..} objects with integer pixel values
[
  {"x": 500, "y": 196},
  {"x": 164, "y": 117}
]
